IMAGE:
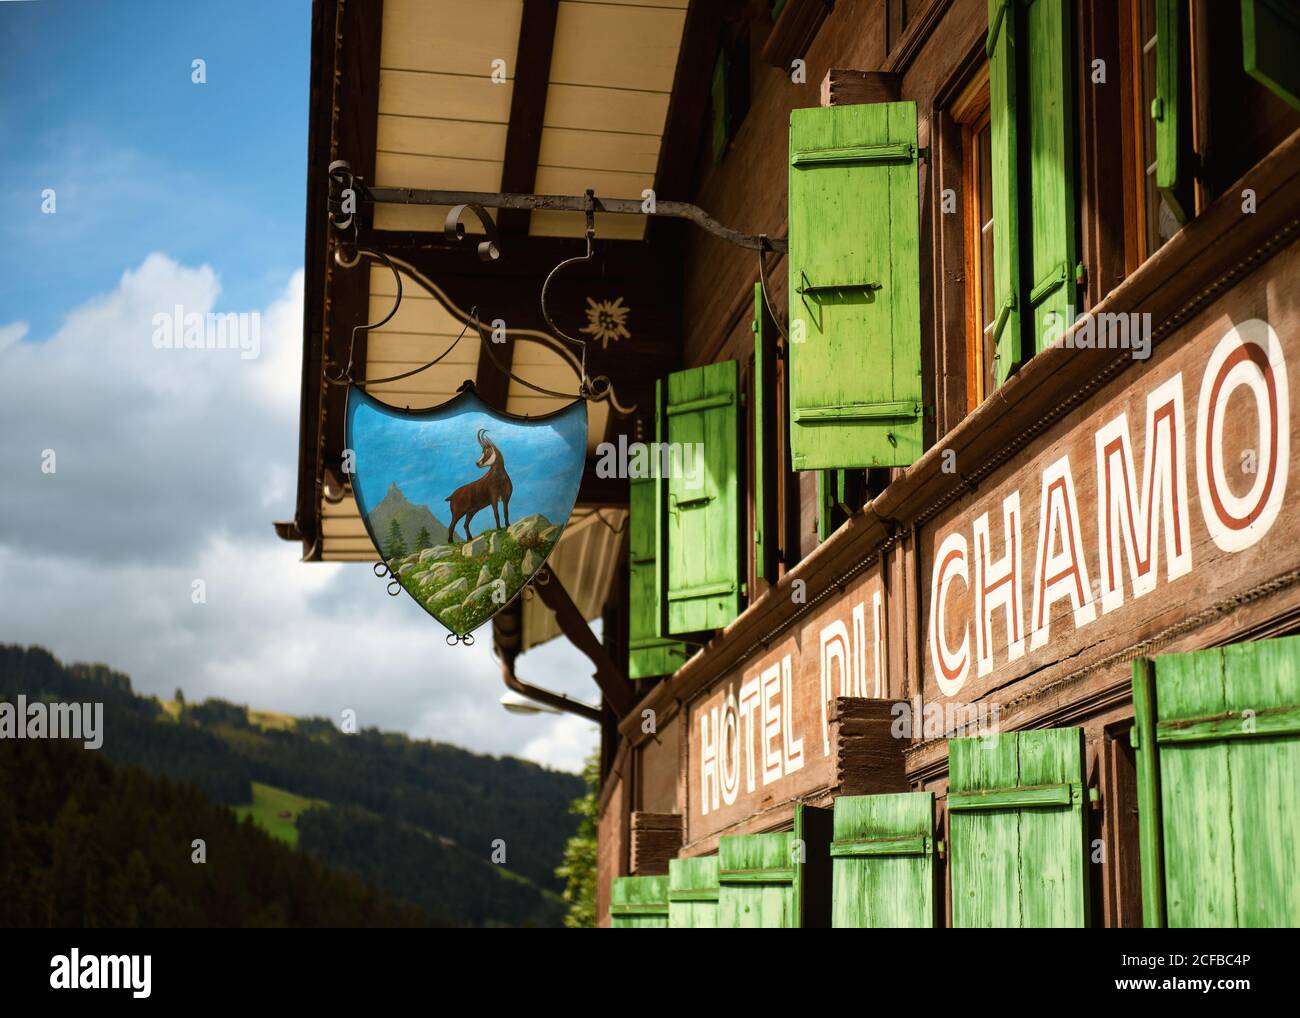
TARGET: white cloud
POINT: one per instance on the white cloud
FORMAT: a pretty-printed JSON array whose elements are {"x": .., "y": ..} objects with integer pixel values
[
  {"x": 171, "y": 465},
  {"x": 11, "y": 334},
  {"x": 566, "y": 745}
]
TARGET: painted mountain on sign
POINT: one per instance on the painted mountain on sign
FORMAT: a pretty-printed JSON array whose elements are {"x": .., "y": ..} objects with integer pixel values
[
  {"x": 464, "y": 585},
  {"x": 404, "y": 527}
]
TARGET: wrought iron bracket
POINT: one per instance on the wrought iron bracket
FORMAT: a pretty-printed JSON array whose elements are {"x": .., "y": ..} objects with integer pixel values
[{"x": 341, "y": 178}]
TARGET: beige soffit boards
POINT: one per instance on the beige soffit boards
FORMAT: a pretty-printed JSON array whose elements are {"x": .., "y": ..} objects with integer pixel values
[
  {"x": 612, "y": 71},
  {"x": 443, "y": 118}
]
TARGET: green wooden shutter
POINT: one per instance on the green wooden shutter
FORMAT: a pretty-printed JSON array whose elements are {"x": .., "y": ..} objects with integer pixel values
[
  {"x": 1218, "y": 741},
  {"x": 1052, "y": 252},
  {"x": 1004, "y": 144},
  {"x": 1270, "y": 36},
  {"x": 777, "y": 880},
  {"x": 1035, "y": 231},
  {"x": 1017, "y": 829},
  {"x": 637, "y": 902},
  {"x": 768, "y": 475},
  {"x": 693, "y": 892},
  {"x": 1171, "y": 109},
  {"x": 661, "y": 521},
  {"x": 855, "y": 329},
  {"x": 883, "y": 861},
  {"x": 648, "y": 654},
  {"x": 702, "y": 512}
]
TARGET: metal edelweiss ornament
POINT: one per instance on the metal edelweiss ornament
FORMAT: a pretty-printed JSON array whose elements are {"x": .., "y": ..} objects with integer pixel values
[{"x": 463, "y": 502}]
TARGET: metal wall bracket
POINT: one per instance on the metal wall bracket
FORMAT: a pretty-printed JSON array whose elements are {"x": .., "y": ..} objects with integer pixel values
[{"x": 341, "y": 177}]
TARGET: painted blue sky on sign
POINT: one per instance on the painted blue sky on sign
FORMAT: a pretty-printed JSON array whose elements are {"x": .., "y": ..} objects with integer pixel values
[{"x": 429, "y": 455}]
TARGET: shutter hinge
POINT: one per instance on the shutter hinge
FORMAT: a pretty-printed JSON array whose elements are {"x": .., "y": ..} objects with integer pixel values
[
  {"x": 1157, "y": 109},
  {"x": 1066, "y": 793},
  {"x": 1081, "y": 274},
  {"x": 1007, "y": 307}
]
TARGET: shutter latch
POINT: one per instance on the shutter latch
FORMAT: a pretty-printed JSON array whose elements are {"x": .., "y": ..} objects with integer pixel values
[
  {"x": 809, "y": 289},
  {"x": 1008, "y": 306},
  {"x": 675, "y": 503}
]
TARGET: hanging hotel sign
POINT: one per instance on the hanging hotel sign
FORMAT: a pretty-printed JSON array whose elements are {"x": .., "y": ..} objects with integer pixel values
[
  {"x": 463, "y": 502},
  {"x": 1161, "y": 496}
]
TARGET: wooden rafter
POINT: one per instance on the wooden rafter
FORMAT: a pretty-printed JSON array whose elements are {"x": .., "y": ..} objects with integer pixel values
[
  {"x": 532, "y": 71},
  {"x": 345, "y": 96}
]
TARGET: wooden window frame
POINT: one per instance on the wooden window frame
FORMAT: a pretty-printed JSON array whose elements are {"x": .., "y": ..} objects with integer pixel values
[
  {"x": 971, "y": 113},
  {"x": 1136, "y": 113}
]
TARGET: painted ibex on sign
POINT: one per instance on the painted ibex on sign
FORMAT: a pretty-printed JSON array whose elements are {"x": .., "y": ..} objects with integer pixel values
[{"x": 488, "y": 490}]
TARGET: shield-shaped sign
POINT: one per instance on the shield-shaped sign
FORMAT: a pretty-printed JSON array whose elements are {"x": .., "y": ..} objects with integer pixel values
[{"x": 463, "y": 502}]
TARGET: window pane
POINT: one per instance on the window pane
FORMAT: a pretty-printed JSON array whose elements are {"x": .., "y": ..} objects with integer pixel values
[
  {"x": 1160, "y": 221},
  {"x": 988, "y": 307},
  {"x": 984, "y": 141}
]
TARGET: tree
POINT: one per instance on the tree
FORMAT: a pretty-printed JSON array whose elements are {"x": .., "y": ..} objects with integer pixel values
[
  {"x": 394, "y": 544},
  {"x": 423, "y": 539},
  {"x": 180, "y": 696},
  {"x": 578, "y": 870}
]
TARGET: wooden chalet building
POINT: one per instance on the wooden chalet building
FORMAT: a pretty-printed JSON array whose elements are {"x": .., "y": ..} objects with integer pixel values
[{"x": 978, "y": 606}]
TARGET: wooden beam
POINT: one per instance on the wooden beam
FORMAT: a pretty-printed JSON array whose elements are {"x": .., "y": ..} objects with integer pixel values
[
  {"x": 845, "y": 86},
  {"x": 527, "y": 106},
  {"x": 656, "y": 838},
  {"x": 688, "y": 104},
  {"x": 519, "y": 168},
  {"x": 313, "y": 312},
  {"x": 492, "y": 380},
  {"x": 611, "y": 679},
  {"x": 349, "y": 94}
]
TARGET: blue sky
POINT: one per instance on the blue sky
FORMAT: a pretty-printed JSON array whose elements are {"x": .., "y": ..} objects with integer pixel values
[
  {"x": 99, "y": 105},
  {"x": 136, "y": 477},
  {"x": 544, "y": 459}
]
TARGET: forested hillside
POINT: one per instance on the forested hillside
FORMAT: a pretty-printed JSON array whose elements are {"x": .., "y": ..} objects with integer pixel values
[
  {"x": 418, "y": 819},
  {"x": 86, "y": 844}
]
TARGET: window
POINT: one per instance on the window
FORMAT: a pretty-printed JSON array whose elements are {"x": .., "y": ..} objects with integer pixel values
[
  {"x": 1197, "y": 117},
  {"x": 729, "y": 93},
  {"x": 971, "y": 111},
  {"x": 896, "y": 19},
  {"x": 1153, "y": 220}
]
